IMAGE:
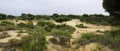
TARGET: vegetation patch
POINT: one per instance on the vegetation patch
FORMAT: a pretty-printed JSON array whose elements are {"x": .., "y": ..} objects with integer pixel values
[
  {"x": 81, "y": 26},
  {"x": 110, "y": 39},
  {"x": 5, "y": 25},
  {"x": 62, "y": 19},
  {"x": 28, "y": 25}
]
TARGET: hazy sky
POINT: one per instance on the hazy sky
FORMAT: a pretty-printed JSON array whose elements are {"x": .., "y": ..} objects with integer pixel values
[{"x": 78, "y": 7}]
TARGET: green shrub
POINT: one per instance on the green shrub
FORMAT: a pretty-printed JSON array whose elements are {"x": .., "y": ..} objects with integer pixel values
[
  {"x": 21, "y": 25},
  {"x": 45, "y": 23},
  {"x": 110, "y": 39},
  {"x": 65, "y": 27},
  {"x": 85, "y": 15},
  {"x": 87, "y": 36},
  {"x": 3, "y": 16},
  {"x": 114, "y": 33},
  {"x": 50, "y": 24},
  {"x": 63, "y": 36},
  {"x": 48, "y": 29},
  {"x": 41, "y": 23},
  {"x": 6, "y": 23},
  {"x": 98, "y": 20},
  {"x": 81, "y": 26},
  {"x": 62, "y": 19},
  {"x": 30, "y": 25},
  {"x": 53, "y": 40},
  {"x": 35, "y": 41},
  {"x": 58, "y": 32}
]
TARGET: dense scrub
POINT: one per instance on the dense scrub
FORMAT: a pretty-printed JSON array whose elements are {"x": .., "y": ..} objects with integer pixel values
[
  {"x": 49, "y": 26},
  {"x": 28, "y": 25},
  {"x": 94, "y": 19},
  {"x": 62, "y": 19},
  {"x": 97, "y": 20},
  {"x": 5, "y": 25},
  {"x": 35, "y": 41},
  {"x": 110, "y": 39},
  {"x": 81, "y": 26}
]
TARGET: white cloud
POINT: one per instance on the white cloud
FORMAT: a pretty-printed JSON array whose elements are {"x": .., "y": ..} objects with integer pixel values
[{"x": 51, "y": 6}]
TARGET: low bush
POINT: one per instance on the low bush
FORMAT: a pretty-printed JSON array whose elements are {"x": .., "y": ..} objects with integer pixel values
[
  {"x": 87, "y": 36},
  {"x": 65, "y": 27},
  {"x": 110, "y": 39},
  {"x": 21, "y": 25},
  {"x": 28, "y": 25},
  {"x": 98, "y": 20},
  {"x": 48, "y": 29},
  {"x": 62, "y": 19},
  {"x": 6, "y": 23},
  {"x": 45, "y": 23},
  {"x": 35, "y": 41},
  {"x": 53, "y": 40},
  {"x": 63, "y": 36},
  {"x": 57, "y": 32},
  {"x": 81, "y": 26},
  {"x": 41, "y": 23}
]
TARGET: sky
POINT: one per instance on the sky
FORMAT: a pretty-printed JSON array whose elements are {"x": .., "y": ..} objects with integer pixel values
[{"x": 48, "y": 7}]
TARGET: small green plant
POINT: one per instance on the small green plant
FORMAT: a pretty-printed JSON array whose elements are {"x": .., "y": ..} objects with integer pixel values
[
  {"x": 48, "y": 29},
  {"x": 28, "y": 25},
  {"x": 41, "y": 23},
  {"x": 21, "y": 25},
  {"x": 81, "y": 26},
  {"x": 62, "y": 19},
  {"x": 36, "y": 41},
  {"x": 58, "y": 32},
  {"x": 6, "y": 23},
  {"x": 87, "y": 36},
  {"x": 45, "y": 23},
  {"x": 65, "y": 27},
  {"x": 53, "y": 40}
]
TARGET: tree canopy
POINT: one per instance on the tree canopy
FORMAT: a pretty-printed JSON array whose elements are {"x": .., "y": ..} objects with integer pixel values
[{"x": 113, "y": 7}]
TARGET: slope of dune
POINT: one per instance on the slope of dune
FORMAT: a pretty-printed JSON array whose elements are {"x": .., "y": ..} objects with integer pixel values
[
  {"x": 75, "y": 36},
  {"x": 78, "y": 32}
]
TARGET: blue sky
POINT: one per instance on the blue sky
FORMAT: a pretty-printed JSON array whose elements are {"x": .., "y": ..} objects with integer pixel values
[{"x": 48, "y": 7}]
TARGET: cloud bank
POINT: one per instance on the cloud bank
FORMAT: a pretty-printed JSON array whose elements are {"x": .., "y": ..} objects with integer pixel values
[{"x": 48, "y": 7}]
